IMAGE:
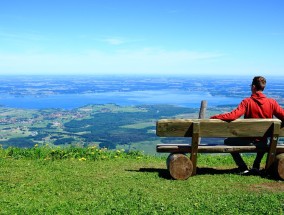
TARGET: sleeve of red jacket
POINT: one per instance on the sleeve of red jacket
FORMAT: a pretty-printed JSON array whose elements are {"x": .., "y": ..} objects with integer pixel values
[
  {"x": 235, "y": 114},
  {"x": 278, "y": 111}
]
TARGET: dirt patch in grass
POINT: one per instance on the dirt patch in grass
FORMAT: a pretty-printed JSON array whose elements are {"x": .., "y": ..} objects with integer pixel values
[{"x": 268, "y": 186}]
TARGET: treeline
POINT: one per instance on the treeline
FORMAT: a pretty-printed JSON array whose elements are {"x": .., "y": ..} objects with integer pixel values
[{"x": 107, "y": 128}]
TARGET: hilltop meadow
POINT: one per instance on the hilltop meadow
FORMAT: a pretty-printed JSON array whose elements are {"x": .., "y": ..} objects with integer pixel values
[
  {"x": 91, "y": 180},
  {"x": 100, "y": 158}
]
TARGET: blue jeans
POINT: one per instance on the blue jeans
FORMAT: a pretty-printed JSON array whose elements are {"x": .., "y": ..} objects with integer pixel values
[{"x": 242, "y": 141}]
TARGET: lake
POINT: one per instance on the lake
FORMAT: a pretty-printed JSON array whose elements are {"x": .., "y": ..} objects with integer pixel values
[
  {"x": 69, "y": 92},
  {"x": 70, "y": 101}
]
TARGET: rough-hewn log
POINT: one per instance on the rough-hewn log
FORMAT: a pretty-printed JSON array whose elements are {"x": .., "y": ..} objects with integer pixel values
[
  {"x": 277, "y": 168},
  {"x": 185, "y": 148},
  {"x": 194, "y": 147},
  {"x": 196, "y": 140},
  {"x": 202, "y": 109},
  {"x": 218, "y": 128},
  {"x": 179, "y": 166}
]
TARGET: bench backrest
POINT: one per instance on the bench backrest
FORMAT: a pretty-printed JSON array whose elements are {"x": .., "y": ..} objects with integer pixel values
[{"x": 219, "y": 128}]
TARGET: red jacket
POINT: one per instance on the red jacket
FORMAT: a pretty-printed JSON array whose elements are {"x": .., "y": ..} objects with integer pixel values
[{"x": 256, "y": 106}]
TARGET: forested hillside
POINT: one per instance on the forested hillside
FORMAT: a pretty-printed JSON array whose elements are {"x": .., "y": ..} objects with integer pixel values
[{"x": 110, "y": 125}]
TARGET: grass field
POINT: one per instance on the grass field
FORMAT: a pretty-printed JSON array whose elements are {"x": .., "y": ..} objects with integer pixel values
[{"x": 95, "y": 181}]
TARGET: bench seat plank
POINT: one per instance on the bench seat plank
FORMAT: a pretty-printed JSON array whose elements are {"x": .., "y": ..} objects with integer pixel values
[
  {"x": 216, "y": 127},
  {"x": 186, "y": 148}
]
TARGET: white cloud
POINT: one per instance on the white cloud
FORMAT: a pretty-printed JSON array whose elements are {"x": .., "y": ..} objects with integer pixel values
[
  {"x": 21, "y": 36},
  {"x": 146, "y": 60},
  {"x": 114, "y": 41},
  {"x": 119, "y": 40}
]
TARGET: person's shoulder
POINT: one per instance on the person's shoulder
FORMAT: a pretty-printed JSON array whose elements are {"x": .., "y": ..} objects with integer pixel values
[
  {"x": 245, "y": 102},
  {"x": 248, "y": 99},
  {"x": 272, "y": 100}
]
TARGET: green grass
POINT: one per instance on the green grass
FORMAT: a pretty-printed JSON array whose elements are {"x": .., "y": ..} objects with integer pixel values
[
  {"x": 139, "y": 125},
  {"x": 93, "y": 181}
]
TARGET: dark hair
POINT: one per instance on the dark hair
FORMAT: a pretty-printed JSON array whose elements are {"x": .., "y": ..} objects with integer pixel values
[{"x": 259, "y": 82}]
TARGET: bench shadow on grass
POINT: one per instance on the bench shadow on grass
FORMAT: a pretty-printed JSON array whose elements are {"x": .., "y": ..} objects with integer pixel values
[
  {"x": 164, "y": 173},
  {"x": 213, "y": 171}
]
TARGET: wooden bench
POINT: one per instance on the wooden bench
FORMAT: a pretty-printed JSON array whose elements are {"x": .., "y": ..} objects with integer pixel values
[{"x": 181, "y": 166}]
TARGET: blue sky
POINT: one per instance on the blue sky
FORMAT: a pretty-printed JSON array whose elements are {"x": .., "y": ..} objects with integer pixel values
[{"x": 216, "y": 37}]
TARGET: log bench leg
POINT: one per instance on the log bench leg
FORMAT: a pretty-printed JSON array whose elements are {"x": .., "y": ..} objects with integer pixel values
[
  {"x": 179, "y": 166},
  {"x": 277, "y": 168}
]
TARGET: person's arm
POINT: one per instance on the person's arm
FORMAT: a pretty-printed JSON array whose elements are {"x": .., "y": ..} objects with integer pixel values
[
  {"x": 278, "y": 111},
  {"x": 236, "y": 113}
]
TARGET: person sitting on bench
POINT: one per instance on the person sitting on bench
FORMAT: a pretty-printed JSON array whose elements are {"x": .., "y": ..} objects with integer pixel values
[{"x": 257, "y": 106}]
